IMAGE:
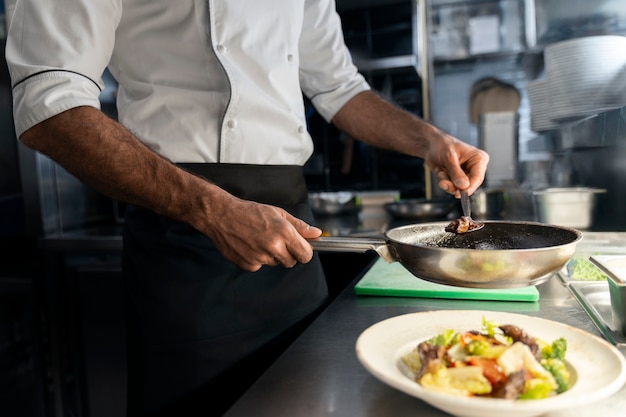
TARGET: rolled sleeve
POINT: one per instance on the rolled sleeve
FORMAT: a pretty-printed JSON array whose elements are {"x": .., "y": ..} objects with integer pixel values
[
  {"x": 56, "y": 53},
  {"x": 47, "y": 94},
  {"x": 327, "y": 74}
]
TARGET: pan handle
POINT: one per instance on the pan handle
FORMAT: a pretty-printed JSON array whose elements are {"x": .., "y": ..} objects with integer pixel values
[{"x": 351, "y": 244}]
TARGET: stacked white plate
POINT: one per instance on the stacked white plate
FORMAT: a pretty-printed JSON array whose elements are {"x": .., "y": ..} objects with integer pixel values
[
  {"x": 585, "y": 76},
  {"x": 540, "y": 120}
]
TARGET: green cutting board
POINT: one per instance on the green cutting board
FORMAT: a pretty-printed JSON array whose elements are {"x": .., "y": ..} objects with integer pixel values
[{"x": 392, "y": 279}]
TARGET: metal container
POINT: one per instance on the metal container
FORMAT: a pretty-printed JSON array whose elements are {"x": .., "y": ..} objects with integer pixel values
[
  {"x": 488, "y": 203},
  {"x": 614, "y": 266},
  {"x": 333, "y": 203},
  {"x": 421, "y": 208},
  {"x": 566, "y": 206}
]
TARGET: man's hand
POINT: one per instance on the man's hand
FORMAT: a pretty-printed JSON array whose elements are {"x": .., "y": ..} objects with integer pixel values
[
  {"x": 458, "y": 165},
  {"x": 252, "y": 234}
]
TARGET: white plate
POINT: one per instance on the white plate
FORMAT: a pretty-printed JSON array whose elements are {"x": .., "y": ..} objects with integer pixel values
[{"x": 600, "y": 369}]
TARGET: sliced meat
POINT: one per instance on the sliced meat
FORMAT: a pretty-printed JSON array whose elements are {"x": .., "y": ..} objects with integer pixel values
[
  {"x": 512, "y": 387},
  {"x": 462, "y": 225},
  {"x": 431, "y": 356},
  {"x": 519, "y": 335}
]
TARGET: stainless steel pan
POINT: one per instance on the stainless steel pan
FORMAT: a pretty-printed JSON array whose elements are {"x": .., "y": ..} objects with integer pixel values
[
  {"x": 421, "y": 208},
  {"x": 503, "y": 254}
]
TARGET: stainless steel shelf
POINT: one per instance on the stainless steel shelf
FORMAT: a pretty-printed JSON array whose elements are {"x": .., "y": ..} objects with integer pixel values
[{"x": 395, "y": 62}]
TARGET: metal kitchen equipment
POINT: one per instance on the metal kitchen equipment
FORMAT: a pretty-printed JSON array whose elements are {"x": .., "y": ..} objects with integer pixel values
[
  {"x": 488, "y": 203},
  {"x": 614, "y": 266},
  {"x": 503, "y": 254},
  {"x": 333, "y": 203},
  {"x": 566, "y": 206},
  {"x": 467, "y": 212},
  {"x": 421, "y": 208}
]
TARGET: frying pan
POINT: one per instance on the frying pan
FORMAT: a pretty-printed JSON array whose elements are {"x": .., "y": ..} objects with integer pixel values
[
  {"x": 503, "y": 254},
  {"x": 420, "y": 208}
]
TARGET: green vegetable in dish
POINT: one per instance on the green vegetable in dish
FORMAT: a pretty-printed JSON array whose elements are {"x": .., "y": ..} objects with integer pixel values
[
  {"x": 580, "y": 268},
  {"x": 485, "y": 349},
  {"x": 559, "y": 371},
  {"x": 536, "y": 389},
  {"x": 489, "y": 327},
  {"x": 555, "y": 350},
  {"x": 445, "y": 338}
]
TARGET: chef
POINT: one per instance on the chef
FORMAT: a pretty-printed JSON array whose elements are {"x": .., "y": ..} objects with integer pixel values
[{"x": 207, "y": 153}]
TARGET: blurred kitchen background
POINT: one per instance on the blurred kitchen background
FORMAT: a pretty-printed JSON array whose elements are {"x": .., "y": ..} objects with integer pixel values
[{"x": 481, "y": 70}]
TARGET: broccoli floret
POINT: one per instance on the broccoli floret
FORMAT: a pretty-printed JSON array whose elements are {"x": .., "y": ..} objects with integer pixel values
[
  {"x": 485, "y": 349},
  {"x": 559, "y": 371},
  {"x": 556, "y": 350},
  {"x": 536, "y": 389}
]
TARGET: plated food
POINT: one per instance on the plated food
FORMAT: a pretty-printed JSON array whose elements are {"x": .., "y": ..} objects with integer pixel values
[
  {"x": 497, "y": 361},
  {"x": 596, "y": 368}
]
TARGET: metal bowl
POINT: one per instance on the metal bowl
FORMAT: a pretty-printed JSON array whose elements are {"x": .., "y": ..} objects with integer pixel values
[
  {"x": 488, "y": 203},
  {"x": 420, "y": 208},
  {"x": 333, "y": 203}
]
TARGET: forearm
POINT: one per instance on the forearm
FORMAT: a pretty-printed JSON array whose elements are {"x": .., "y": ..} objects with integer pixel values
[
  {"x": 106, "y": 156},
  {"x": 377, "y": 122}
]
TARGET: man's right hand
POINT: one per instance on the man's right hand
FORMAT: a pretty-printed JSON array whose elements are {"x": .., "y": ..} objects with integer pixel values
[{"x": 252, "y": 234}]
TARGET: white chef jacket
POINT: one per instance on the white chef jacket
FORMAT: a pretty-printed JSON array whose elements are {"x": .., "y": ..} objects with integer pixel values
[{"x": 199, "y": 80}]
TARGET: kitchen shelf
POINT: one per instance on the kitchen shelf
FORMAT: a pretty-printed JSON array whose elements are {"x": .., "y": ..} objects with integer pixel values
[
  {"x": 394, "y": 62},
  {"x": 462, "y": 30},
  {"x": 384, "y": 40},
  {"x": 496, "y": 56}
]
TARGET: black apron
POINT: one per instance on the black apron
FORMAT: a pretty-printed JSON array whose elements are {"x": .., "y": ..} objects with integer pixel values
[{"x": 200, "y": 329}]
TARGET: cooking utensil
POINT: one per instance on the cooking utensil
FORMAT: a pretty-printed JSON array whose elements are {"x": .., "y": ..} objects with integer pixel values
[
  {"x": 420, "y": 208},
  {"x": 506, "y": 254},
  {"x": 467, "y": 212},
  {"x": 393, "y": 280}
]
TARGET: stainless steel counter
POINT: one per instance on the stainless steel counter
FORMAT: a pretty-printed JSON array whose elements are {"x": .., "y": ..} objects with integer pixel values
[{"x": 320, "y": 375}]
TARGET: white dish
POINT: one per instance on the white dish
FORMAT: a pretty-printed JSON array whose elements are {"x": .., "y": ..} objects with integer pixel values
[
  {"x": 585, "y": 76},
  {"x": 600, "y": 369}
]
